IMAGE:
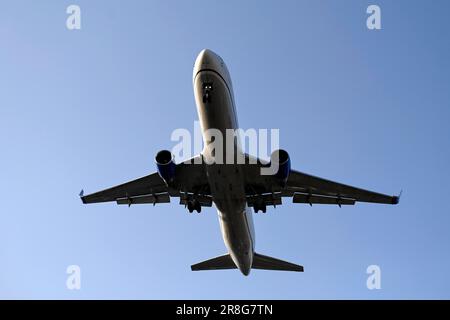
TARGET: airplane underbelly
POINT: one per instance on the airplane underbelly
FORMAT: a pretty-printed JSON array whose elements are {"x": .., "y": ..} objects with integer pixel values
[
  {"x": 215, "y": 102},
  {"x": 235, "y": 218},
  {"x": 216, "y": 111}
]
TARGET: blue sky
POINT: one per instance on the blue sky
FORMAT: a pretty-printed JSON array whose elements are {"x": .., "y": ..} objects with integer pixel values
[{"x": 90, "y": 109}]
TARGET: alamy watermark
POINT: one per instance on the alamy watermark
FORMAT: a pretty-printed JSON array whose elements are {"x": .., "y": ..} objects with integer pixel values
[
  {"x": 234, "y": 146},
  {"x": 374, "y": 279},
  {"x": 373, "y": 22},
  {"x": 73, "y": 21},
  {"x": 73, "y": 281}
]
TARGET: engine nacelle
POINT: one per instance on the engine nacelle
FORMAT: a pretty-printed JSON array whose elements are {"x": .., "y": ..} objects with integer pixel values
[
  {"x": 166, "y": 165},
  {"x": 284, "y": 165}
]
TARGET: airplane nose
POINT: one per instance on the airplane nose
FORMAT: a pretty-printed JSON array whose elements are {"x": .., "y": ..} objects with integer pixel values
[
  {"x": 206, "y": 58},
  {"x": 210, "y": 61}
]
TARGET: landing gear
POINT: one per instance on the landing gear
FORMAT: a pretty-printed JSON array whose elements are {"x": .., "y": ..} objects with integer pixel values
[
  {"x": 259, "y": 206},
  {"x": 207, "y": 97},
  {"x": 207, "y": 88},
  {"x": 194, "y": 205}
]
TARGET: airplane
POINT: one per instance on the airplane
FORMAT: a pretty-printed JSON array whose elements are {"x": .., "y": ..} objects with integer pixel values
[{"x": 235, "y": 189}]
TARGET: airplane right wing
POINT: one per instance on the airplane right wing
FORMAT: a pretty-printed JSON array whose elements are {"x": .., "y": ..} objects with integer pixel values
[
  {"x": 150, "y": 185},
  {"x": 190, "y": 182}
]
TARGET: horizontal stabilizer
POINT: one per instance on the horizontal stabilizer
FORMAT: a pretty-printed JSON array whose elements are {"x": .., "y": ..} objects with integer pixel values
[
  {"x": 218, "y": 263},
  {"x": 269, "y": 263},
  {"x": 259, "y": 262}
]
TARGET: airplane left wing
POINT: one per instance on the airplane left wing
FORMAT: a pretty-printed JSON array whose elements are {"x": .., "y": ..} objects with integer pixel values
[
  {"x": 326, "y": 191},
  {"x": 265, "y": 190}
]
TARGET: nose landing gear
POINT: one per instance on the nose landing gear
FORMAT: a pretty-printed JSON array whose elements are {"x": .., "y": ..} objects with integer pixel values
[
  {"x": 206, "y": 97},
  {"x": 207, "y": 88}
]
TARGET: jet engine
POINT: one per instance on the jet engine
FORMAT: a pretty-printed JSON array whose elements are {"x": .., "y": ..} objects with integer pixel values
[
  {"x": 284, "y": 165},
  {"x": 166, "y": 165}
]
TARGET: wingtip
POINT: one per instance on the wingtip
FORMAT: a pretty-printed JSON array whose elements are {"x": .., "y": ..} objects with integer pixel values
[
  {"x": 81, "y": 195},
  {"x": 396, "y": 199}
]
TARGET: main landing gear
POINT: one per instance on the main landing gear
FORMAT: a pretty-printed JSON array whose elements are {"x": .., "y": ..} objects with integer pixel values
[
  {"x": 194, "y": 205},
  {"x": 259, "y": 207}
]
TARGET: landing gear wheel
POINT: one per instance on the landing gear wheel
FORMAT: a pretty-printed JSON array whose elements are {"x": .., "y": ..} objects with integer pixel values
[
  {"x": 207, "y": 97},
  {"x": 258, "y": 207},
  {"x": 194, "y": 205},
  {"x": 197, "y": 206}
]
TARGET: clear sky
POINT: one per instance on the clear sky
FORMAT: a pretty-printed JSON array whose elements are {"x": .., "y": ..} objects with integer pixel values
[{"x": 90, "y": 108}]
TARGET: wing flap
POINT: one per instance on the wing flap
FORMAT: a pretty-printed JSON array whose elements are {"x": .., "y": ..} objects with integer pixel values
[
  {"x": 313, "y": 198},
  {"x": 155, "y": 198}
]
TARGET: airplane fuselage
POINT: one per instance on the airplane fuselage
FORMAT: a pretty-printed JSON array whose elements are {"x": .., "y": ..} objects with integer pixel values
[{"x": 216, "y": 110}]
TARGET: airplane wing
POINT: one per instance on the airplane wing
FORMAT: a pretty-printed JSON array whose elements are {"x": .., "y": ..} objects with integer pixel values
[
  {"x": 305, "y": 188},
  {"x": 148, "y": 185},
  {"x": 319, "y": 190},
  {"x": 190, "y": 179}
]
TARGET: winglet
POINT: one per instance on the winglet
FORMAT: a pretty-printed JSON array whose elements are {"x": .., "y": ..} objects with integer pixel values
[
  {"x": 81, "y": 195},
  {"x": 396, "y": 199}
]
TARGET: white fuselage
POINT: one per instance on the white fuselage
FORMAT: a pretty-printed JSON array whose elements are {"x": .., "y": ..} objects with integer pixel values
[{"x": 217, "y": 111}]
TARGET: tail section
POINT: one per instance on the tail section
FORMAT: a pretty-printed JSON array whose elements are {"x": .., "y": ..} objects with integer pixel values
[
  {"x": 218, "y": 263},
  {"x": 259, "y": 262},
  {"x": 269, "y": 263}
]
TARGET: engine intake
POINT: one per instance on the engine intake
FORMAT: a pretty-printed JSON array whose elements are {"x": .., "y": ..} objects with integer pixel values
[
  {"x": 284, "y": 165},
  {"x": 166, "y": 165}
]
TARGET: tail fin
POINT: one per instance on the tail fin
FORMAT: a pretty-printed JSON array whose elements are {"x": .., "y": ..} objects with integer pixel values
[
  {"x": 269, "y": 263},
  {"x": 259, "y": 262}
]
